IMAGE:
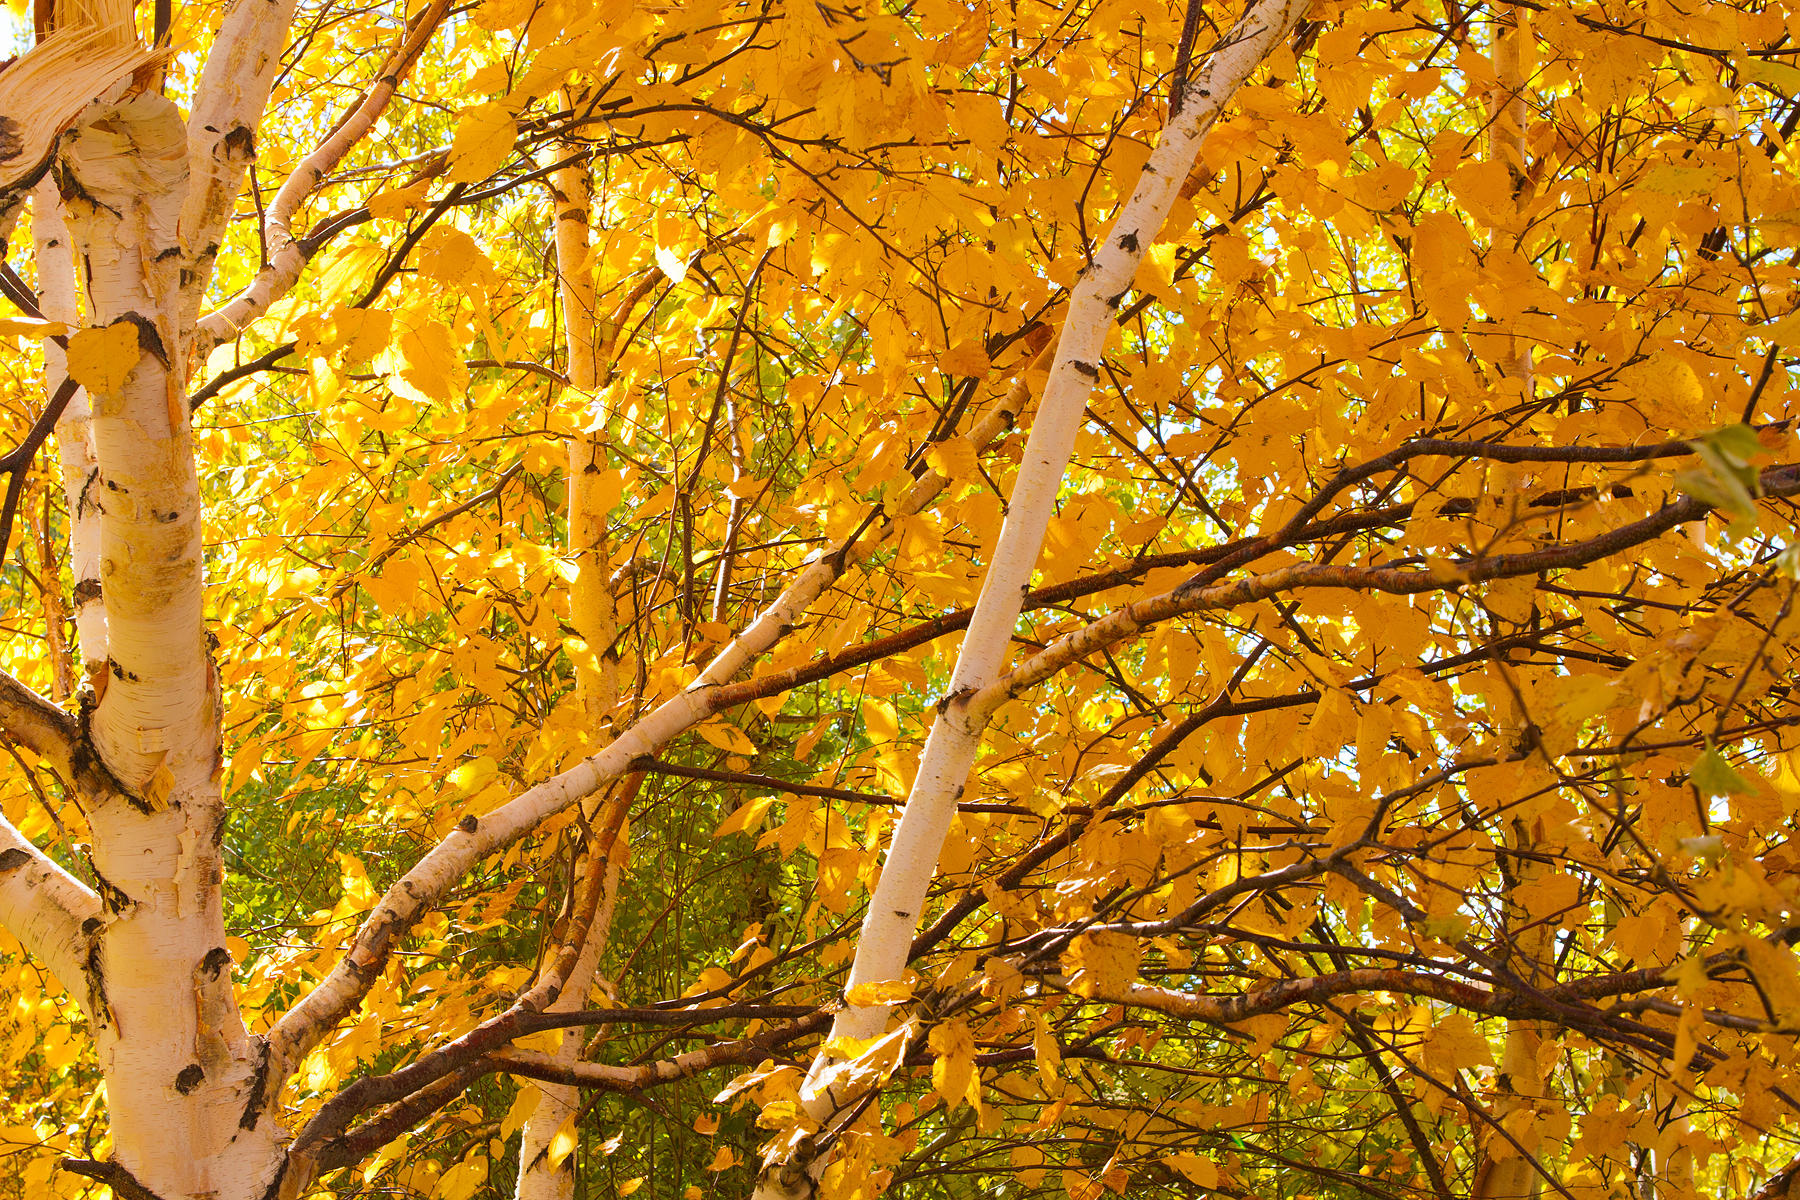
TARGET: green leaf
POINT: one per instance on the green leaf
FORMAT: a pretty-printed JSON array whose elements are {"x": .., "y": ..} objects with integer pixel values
[{"x": 1714, "y": 776}]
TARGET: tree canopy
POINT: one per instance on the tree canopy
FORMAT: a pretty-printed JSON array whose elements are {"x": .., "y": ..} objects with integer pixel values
[{"x": 1291, "y": 503}]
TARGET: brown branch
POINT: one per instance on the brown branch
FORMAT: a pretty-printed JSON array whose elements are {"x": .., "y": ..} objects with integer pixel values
[
  {"x": 1201, "y": 595},
  {"x": 636, "y": 1078},
  {"x": 57, "y": 738},
  {"x": 359, "y": 1143},
  {"x": 414, "y": 534},
  {"x": 1781, "y": 1184},
  {"x": 114, "y": 1175}
]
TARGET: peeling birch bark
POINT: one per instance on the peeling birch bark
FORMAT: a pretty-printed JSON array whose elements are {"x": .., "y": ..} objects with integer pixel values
[{"x": 955, "y": 737}]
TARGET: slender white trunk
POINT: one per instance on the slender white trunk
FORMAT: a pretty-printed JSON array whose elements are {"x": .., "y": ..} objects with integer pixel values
[
  {"x": 592, "y": 614},
  {"x": 538, "y": 1179},
  {"x": 75, "y": 449},
  {"x": 893, "y": 914}
]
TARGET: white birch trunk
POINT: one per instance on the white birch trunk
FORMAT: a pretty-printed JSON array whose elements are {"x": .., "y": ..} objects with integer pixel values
[
  {"x": 75, "y": 449},
  {"x": 178, "y": 1063},
  {"x": 893, "y": 914}
]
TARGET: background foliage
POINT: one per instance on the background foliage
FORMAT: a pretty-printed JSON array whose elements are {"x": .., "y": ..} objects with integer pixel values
[{"x": 826, "y": 237}]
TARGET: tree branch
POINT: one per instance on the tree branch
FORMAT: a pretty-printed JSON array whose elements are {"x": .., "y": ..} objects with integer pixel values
[
  {"x": 287, "y": 255},
  {"x": 46, "y": 908},
  {"x": 1199, "y": 596}
]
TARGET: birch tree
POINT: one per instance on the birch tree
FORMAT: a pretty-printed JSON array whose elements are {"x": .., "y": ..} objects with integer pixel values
[{"x": 932, "y": 600}]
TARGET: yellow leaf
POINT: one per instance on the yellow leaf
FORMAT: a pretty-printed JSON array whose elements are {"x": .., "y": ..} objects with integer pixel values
[
  {"x": 880, "y": 720},
  {"x": 1664, "y": 382},
  {"x": 451, "y": 256},
  {"x": 672, "y": 264},
  {"x": 954, "y": 459},
  {"x": 723, "y": 1160},
  {"x": 432, "y": 365},
  {"x": 1102, "y": 963},
  {"x": 953, "y": 1074},
  {"x": 363, "y": 332},
  {"x": 473, "y": 775},
  {"x": 1156, "y": 271},
  {"x": 881, "y": 991},
  {"x": 1685, "y": 183},
  {"x": 563, "y": 1143},
  {"x": 390, "y": 206},
  {"x": 727, "y": 737},
  {"x": 462, "y": 1181},
  {"x": 1203, "y": 1172},
  {"x": 1080, "y": 1187},
  {"x": 965, "y": 358},
  {"x": 1049, "y": 1053},
  {"x": 1454, "y": 1043},
  {"x": 26, "y": 327},
  {"x": 483, "y": 143},
  {"x": 101, "y": 359},
  {"x": 747, "y": 817},
  {"x": 496, "y": 15},
  {"x": 523, "y": 1105},
  {"x": 631, "y": 1185},
  {"x": 1264, "y": 1032}
]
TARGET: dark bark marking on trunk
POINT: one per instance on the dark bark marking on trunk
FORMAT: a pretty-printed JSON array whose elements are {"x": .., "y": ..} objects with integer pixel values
[
  {"x": 259, "y": 1084},
  {"x": 149, "y": 340},
  {"x": 190, "y": 1078},
  {"x": 112, "y": 898},
  {"x": 12, "y": 859},
  {"x": 95, "y": 975},
  {"x": 239, "y": 146}
]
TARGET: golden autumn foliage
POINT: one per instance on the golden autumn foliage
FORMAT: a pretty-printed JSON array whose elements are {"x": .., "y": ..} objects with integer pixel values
[{"x": 1398, "y": 783}]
